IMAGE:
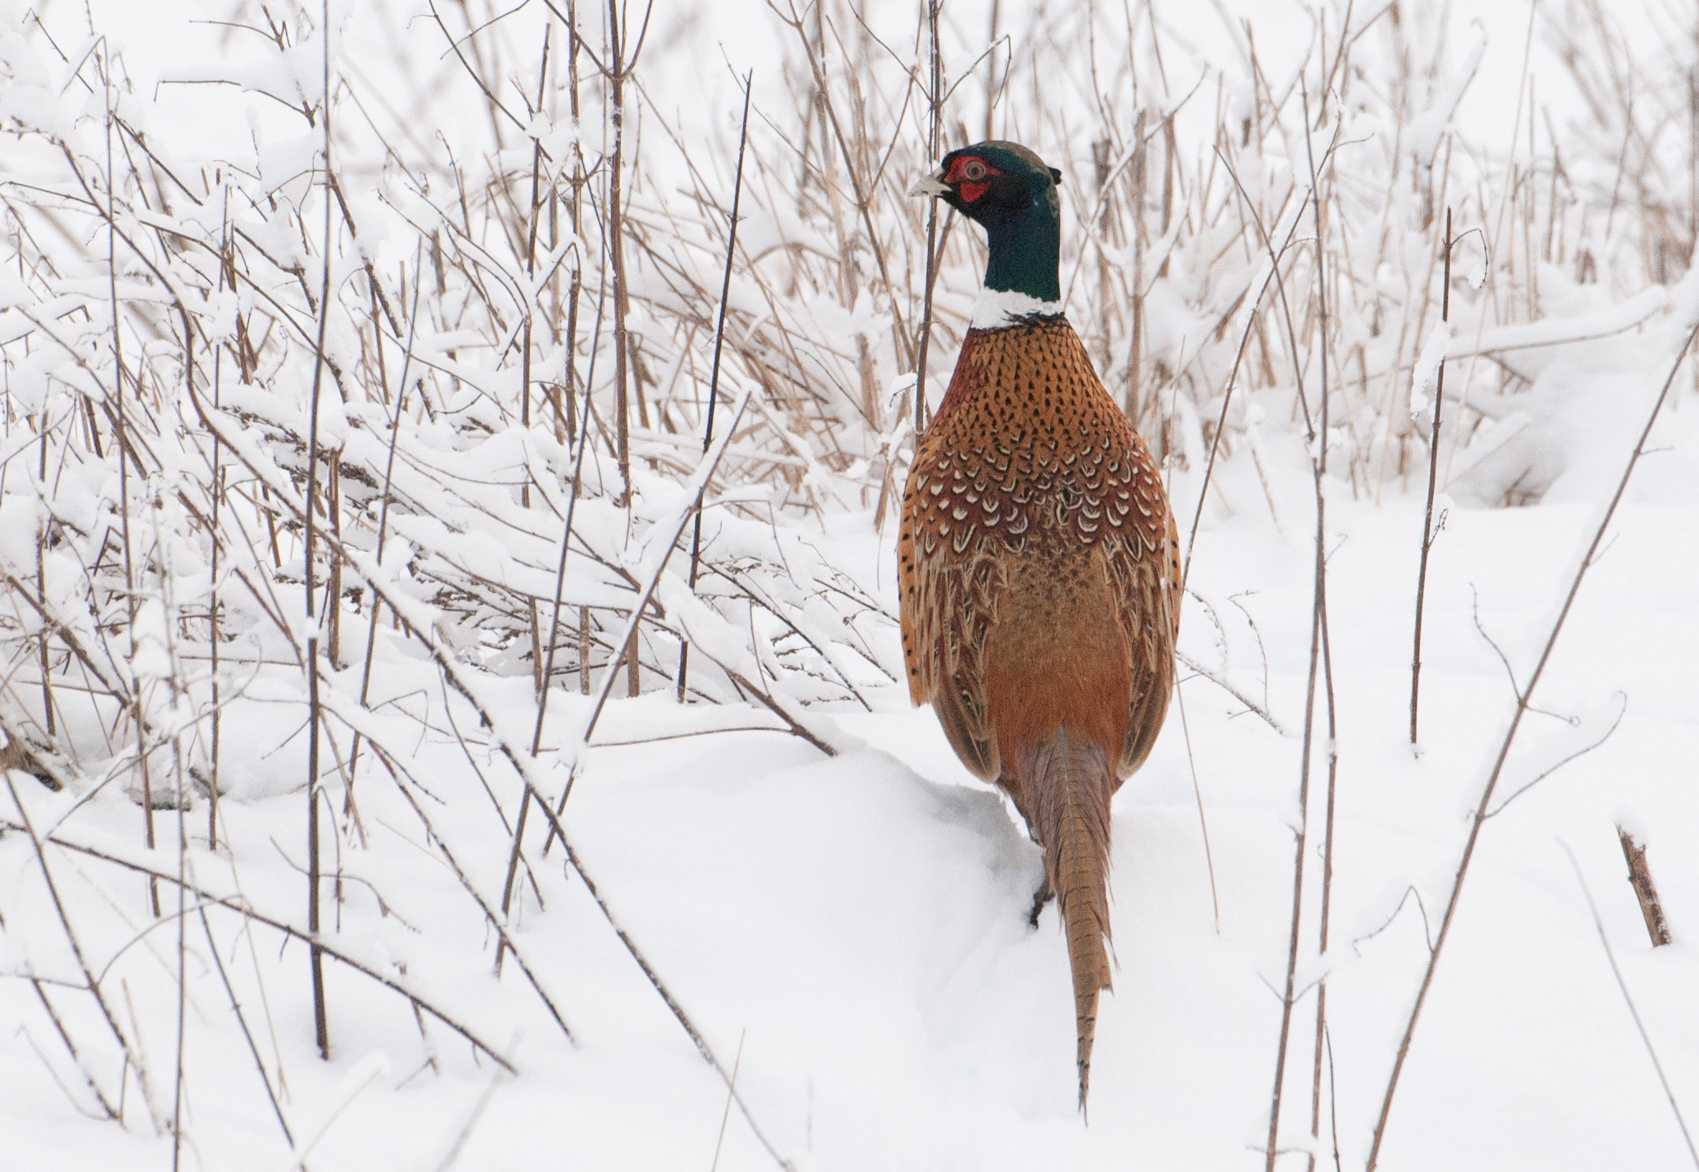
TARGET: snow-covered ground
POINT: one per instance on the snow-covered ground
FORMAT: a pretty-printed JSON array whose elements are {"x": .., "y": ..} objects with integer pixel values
[{"x": 855, "y": 925}]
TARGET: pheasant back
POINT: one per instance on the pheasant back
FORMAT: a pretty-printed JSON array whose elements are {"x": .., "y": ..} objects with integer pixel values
[{"x": 1040, "y": 600}]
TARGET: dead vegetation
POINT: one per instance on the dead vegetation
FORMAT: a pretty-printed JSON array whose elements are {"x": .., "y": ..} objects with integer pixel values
[{"x": 507, "y": 438}]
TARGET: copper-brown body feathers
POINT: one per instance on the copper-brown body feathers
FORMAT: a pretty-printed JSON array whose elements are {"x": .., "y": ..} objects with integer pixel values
[{"x": 1040, "y": 599}]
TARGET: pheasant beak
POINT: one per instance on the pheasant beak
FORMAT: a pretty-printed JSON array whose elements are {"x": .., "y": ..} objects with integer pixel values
[{"x": 932, "y": 184}]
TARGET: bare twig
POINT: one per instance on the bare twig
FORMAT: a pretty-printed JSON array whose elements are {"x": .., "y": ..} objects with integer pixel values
[
  {"x": 1565, "y": 760},
  {"x": 1197, "y": 792},
  {"x": 714, "y": 373},
  {"x": 1640, "y": 878},
  {"x": 242, "y": 1021},
  {"x": 1428, "y": 533},
  {"x": 1225, "y": 685},
  {"x": 725, "y": 1117},
  {"x": 1319, "y": 658},
  {"x": 321, "y": 1028},
  {"x": 935, "y": 111},
  {"x": 1640, "y": 1026},
  {"x": 531, "y": 294},
  {"x": 617, "y": 72}
]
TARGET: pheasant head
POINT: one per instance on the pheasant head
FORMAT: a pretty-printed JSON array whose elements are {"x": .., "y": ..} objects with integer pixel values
[{"x": 1010, "y": 192}]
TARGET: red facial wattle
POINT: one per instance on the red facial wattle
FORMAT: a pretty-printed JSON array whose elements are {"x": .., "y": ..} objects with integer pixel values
[{"x": 971, "y": 176}]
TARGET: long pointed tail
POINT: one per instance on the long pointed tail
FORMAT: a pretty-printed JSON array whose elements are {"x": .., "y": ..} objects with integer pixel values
[{"x": 1069, "y": 783}]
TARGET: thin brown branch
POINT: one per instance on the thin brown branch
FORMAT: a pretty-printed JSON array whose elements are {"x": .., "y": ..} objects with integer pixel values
[
  {"x": 1622, "y": 985},
  {"x": 1640, "y": 878},
  {"x": 1428, "y": 533}
]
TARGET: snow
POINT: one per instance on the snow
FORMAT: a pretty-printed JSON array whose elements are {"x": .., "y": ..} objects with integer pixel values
[
  {"x": 997, "y": 308},
  {"x": 1553, "y": 331},
  {"x": 859, "y": 921},
  {"x": 1427, "y": 366},
  {"x": 862, "y": 917},
  {"x": 796, "y": 854}
]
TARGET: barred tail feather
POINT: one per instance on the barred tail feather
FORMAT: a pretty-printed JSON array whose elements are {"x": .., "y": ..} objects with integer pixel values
[{"x": 1068, "y": 782}]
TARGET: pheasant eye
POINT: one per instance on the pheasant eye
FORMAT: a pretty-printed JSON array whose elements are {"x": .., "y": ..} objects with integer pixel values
[{"x": 973, "y": 171}]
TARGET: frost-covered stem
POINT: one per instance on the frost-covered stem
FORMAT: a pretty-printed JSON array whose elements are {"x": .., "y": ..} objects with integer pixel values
[
  {"x": 182, "y": 950},
  {"x": 217, "y": 542},
  {"x": 242, "y": 1021},
  {"x": 1326, "y": 858},
  {"x": 1100, "y": 149},
  {"x": 1197, "y": 792},
  {"x": 41, "y": 585},
  {"x": 181, "y": 803},
  {"x": 1298, "y": 852},
  {"x": 1321, "y": 621},
  {"x": 1433, "y": 477},
  {"x": 616, "y": 250},
  {"x": 525, "y": 357},
  {"x": 1226, "y": 685},
  {"x": 333, "y": 570},
  {"x": 725, "y": 1116},
  {"x": 1523, "y": 701},
  {"x": 584, "y": 651},
  {"x": 41, "y": 588},
  {"x": 1316, "y": 629},
  {"x": 383, "y": 515},
  {"x": 618, "y": 69},
  {"x": 1318, "y": 624},
  {"x": 554, "y": 617},
  {"x": 714, "y": 370},
  {"x": 703, "y": 476},
  {"x": 321, "y": 1029},
  {"x": 578, "y": 180},
  {"x": 935, "y": 103},
  {"x": 1135, "y": 348},
  {"x": 71, "y": 1048},
  {"x": 123, "y": 423}
]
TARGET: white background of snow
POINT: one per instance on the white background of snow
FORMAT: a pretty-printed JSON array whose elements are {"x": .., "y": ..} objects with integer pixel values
[{"x": 862, "y": 918}]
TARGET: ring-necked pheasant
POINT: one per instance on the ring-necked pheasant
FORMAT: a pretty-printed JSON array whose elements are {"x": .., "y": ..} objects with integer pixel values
[{"x": 1038, "y": 560}]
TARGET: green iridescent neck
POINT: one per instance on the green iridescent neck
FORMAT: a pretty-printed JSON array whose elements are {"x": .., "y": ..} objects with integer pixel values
[{"x": 1026, "y": 248}]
